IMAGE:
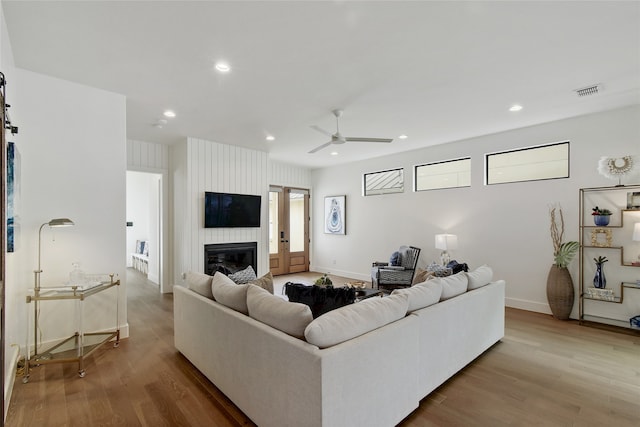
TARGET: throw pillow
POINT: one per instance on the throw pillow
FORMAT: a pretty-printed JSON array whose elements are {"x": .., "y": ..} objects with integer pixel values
[
  {"x": 421, "y": 275},
  {"x": 354, "y": 320},
  {"x": 452, "y": 285},
  {"x": 395, "y": 259},
  {"x": 265, "y": 282},
  {"x": 243, "y": 276},
  {"x": 227, "y": 293},
  {"x": 479, "y": 277},
  {"x": 421, "y": 295},
  {"x": 200, "y": 283},
  {"x": 289, "y": 317}
]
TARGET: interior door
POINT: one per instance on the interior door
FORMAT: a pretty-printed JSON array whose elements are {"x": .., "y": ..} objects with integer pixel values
[{"x": 288, "y": 230}]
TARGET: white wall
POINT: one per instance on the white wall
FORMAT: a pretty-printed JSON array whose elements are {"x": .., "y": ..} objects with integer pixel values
[
  {"x": 505, "y": 226},
  {"x": 72, "y": 142}
]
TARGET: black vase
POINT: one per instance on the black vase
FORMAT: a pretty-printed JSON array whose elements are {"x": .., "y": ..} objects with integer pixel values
[{"x": 599, "y": 281}]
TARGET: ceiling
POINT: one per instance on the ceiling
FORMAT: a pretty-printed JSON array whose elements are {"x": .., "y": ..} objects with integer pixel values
[{"x": 435, "y": 71}]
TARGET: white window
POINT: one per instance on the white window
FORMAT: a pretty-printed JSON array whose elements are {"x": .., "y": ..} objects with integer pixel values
[{"x": 550, "y": 161}]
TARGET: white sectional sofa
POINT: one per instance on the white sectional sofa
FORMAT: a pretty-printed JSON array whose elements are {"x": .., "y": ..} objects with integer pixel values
[{"x": 342, "y": 374}]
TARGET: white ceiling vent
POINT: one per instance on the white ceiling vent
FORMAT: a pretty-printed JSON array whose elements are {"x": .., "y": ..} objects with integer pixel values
[{"x": 589, "y": 90}]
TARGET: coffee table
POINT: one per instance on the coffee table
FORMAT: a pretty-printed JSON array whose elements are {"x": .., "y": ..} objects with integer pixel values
[{"x": 364, "y": 293}]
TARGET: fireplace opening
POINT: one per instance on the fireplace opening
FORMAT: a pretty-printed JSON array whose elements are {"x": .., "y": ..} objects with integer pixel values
[{"x": 229, "y": 257}]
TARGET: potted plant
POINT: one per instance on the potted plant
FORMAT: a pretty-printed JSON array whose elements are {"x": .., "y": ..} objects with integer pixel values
[
  {"x": 560, "y": 292},
  {"x": 324, "y": 281},
  {"x": 601, "y": 216}
]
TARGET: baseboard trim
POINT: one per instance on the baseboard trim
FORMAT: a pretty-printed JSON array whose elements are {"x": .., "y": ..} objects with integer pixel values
[
  {"x": 521, "y": 304},
  {"x": 341, "y": 273},
  {"x": 10, "y": 377}
]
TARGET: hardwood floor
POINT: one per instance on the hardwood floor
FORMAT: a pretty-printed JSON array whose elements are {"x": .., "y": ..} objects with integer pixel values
[{"x": 544, "y": 372}]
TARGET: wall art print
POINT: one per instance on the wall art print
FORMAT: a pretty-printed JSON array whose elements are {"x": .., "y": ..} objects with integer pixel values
[
  {"x": 13, "y": 174},
  {"x": 335, "y": 215}
]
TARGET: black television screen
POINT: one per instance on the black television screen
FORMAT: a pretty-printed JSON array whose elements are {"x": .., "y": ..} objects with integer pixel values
[{"x": 231, "y": 210}]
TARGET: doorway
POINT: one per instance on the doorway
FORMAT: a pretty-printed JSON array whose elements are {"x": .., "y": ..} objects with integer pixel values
[
  {"x": 145, "y": 219},
  {"x": 288, "y": 230}
]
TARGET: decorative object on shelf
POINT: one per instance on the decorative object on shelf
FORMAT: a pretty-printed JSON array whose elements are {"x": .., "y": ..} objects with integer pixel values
[
  {"x": 634, "y": 322},
  {"x": 601, "y": 294},
  {"x": 601, "y": 237},
  {"x": 446, "y": 242},
  {"x": 618, "y": 168},
  {"x": 633, "y": 200},
  {"x": 560, "y": 292},
  {"x": 54, "y": 223},
  {"x": 335, "y": 215},
  {"x": 324, "y": 281},
  {"x": 599, "y": 280},
  {"x": 636, "y": 238},
  {"x": 601, "y": 217}
]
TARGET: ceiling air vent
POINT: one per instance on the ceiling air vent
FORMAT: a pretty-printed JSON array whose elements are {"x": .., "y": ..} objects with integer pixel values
[{"x": 589, "y": 90}]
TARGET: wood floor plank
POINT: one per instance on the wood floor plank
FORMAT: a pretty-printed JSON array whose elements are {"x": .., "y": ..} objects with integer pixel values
[{"x": 544, "y": 372}]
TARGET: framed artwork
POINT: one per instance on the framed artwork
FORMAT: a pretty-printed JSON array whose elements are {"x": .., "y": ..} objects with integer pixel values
[
  {"x": 335, "y": 215},
  {"x": 633, "y": 200},
  {"x": 601, "y": 237}
]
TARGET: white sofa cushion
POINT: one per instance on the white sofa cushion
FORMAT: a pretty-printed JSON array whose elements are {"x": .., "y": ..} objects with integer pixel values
[
  {"x": 452, "y": 285},
  {"x": 289, "y": 317},
  {"x": 356, "y": 319},
  {"x": 421, "y": 295},
  {"x": 227, "y": 293},
  {"x": 479, "y": 277},
  {"x": 200, "y": 283}
]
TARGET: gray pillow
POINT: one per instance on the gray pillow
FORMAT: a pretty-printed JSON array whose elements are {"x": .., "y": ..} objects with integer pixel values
[
  {"x": 243, "y": 276},
  {"x": 289, "y": 317},
  {"x": 479, "y": 277}
]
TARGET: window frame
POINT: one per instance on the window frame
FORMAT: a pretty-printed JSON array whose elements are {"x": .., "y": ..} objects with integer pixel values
[
  {"x": 458, "y": 159},
  {"x": 364, "y": 182},
  {"x": 533, "y": 147}
]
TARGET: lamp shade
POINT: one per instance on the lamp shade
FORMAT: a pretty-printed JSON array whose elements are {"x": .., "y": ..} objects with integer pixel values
[
  {"x": 60, "y": 222},
  {"x": 446, "y": 241},
  {"x": 636, "y": 232}
]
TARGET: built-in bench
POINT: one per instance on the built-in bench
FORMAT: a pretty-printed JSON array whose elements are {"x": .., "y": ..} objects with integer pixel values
[{"x": 140, "y": 259}]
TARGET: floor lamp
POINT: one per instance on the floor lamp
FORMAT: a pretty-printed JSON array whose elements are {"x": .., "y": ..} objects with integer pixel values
[{"x": 57, "y": 222}]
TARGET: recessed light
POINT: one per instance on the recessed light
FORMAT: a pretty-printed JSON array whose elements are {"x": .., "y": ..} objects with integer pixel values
[
  {"x": 270, "y": 138},
  {"x": 334, "y": 153},
  {"x": 515, "y": 107},
  {"x": 223, "y": 67},
  {"x": 403, "y": 136},
  {"x": 169, "y": 113}
]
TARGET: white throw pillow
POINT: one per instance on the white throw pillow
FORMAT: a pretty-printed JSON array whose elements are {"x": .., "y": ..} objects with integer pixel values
[
  {"x": 289, "y": 317},
  {"x": 421, "y": 295},
  {"x": 480, "y": 277},
  {"x": 243, "y": 276},
  {"x": 200, "y": 283},
  {"x": 227, "y": 293},
  {"x": 350, "y": 321},
  {"x": 452, "y": 285}
]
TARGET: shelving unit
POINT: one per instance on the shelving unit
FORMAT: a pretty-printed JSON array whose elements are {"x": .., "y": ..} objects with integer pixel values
[
  {"x": 616, "y": 307},
  {"x": 80, "y": 344}
]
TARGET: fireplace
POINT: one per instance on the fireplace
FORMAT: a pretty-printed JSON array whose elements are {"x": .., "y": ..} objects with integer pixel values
[{"x": 229, "y": 257}]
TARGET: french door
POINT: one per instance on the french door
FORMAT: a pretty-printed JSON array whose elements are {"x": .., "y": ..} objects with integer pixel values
[{"x": 288, "y": 230}]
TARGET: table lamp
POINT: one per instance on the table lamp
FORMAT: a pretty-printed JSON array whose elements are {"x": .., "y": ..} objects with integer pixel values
[
  {"x": 57, "y": 222},
  {"x": 446, "y": 242}
]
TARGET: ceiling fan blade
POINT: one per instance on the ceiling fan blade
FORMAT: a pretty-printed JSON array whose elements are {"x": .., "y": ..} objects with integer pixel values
[
  {"x": 319, "y": 129},
  {"x": 321, "y": 147},
  {"x": 354, "y": 139}
]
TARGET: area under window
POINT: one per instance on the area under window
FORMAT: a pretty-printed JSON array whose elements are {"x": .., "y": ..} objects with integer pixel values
[
  {"x": 383, "y": 182},
  {"x": 550, "y": 161},
  {"x": 445, "y": 174}
]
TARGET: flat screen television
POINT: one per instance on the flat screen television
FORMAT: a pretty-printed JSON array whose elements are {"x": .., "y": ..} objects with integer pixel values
[{"x": 231, "y": 210}]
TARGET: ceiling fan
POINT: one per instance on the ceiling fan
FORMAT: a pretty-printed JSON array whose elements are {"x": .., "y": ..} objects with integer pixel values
[{"x": 337, "y": 138}]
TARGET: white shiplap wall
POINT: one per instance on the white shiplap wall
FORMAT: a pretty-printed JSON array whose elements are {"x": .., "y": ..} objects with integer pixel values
[
  {"x": 147, "y": 156},
  {"x": 289, "y": 175},
  {"x": 201, "y": 166}
]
